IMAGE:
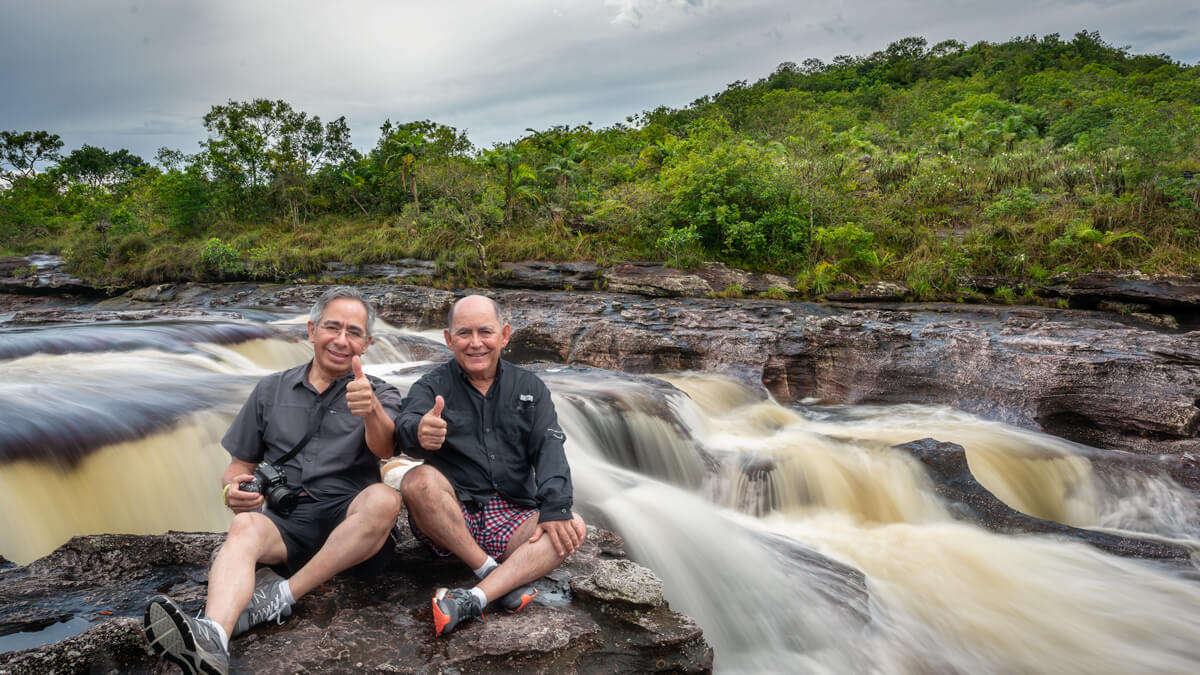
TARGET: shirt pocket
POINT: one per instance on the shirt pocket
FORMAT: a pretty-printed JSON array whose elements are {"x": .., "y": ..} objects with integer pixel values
[
  {"x": 338, "y": 422},
  {"x": 283, "y": 427},
  {"x": 517, "y": 424}
]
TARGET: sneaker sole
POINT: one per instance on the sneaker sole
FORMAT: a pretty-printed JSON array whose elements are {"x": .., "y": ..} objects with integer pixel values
[
  {"x": 440, "y": 618},
  {"x": 171, "y": 638},
  {"x": 514, "y": 605}
]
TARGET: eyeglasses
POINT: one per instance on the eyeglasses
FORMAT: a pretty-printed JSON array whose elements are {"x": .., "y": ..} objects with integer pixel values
[{"x": 334, "y": 329}]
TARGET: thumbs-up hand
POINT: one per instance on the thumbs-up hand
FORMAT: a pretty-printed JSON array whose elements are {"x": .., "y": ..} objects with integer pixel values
[
  {"x": 431, "y": 431},
  {"x": 360, "y": 395}
]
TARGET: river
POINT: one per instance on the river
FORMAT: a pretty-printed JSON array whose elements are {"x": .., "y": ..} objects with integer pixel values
[{"x": 115, "y": 427}]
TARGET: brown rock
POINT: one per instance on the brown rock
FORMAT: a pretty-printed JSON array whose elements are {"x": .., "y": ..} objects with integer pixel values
[
  {"x": 654, "y": 280},
  {"x": 969, "y": 500},
  {"x": 348, "y": 624},
  {"x": 1176, "y": 295}
]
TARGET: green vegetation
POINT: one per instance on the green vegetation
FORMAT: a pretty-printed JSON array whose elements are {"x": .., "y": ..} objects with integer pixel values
[{"x": 922, "y": 165}]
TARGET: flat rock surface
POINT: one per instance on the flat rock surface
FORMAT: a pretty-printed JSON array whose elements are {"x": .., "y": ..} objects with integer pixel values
[{"x": 347, "y": 624}]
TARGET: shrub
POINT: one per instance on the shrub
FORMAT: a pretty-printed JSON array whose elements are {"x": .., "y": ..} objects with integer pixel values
[
  {"x": 1018, "y": 202},
  {"x": 220, "y": 257},
  {"x": 681, "y": 246}
]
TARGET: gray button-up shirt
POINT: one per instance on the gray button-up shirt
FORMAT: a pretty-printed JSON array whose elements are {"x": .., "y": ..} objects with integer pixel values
[{"x": 336, "y": 460}]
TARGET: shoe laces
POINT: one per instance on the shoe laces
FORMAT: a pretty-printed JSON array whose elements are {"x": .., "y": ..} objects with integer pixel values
[
  {"x": 468, "y": 604},
  {"x": 269, "y": 605},
  {"x": 206, "y": 633}
]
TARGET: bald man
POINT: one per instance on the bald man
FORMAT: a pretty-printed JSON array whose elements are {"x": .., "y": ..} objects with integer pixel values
[{"x": 495, "y": 488}]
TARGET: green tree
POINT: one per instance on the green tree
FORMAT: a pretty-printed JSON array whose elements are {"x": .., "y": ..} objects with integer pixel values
[
  {"x": 733, "y": 192},
  {"x": 264, "y": 144},
  {"x": 98, "y": 167},
  {"x": 507, "y": 157},
  {"x": 21, "y": 151},
  {"x": 567, "y": 167},
  {"x": 405, "y": 147}
]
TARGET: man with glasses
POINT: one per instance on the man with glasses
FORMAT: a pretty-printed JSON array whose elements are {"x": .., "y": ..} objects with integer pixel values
[{"x": 328, "y": 446}]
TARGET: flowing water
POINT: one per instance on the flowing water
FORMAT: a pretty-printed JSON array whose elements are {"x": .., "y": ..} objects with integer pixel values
[{"x": 795, "y": 535}]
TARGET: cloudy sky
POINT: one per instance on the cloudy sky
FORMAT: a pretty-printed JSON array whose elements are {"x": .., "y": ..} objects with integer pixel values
[{"x": 141, "y": 74}]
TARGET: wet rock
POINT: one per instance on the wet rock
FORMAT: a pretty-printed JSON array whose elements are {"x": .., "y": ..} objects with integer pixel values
[
  {"x": 970, "y": 501},
  {"x": 875, "y": 291},
  {"x": 40, "y": 273},
  {"x": 114, "y": 646},
  {"x": 349, "y": 624},
  {"x": 1072, "y": 374},
  {"x": 32, "y": 317},
  {"x": 534, "y": 275},
  {"x": 654, "y": 280},
  {"x": 1174, "y": 295},
  {"x": 156, "y": 293},
  {"x": 657, "y": 280},
  {"x": 621, "y": 580},
  {"x": 407, "y": 268},
  {"x": 719, "y": 277}
]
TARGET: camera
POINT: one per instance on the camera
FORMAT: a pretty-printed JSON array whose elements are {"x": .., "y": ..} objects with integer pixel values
[{"x": 271, "y": 483}]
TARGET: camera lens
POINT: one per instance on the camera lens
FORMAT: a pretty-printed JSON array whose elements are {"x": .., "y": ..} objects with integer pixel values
[{"x": 282, "y": 499}]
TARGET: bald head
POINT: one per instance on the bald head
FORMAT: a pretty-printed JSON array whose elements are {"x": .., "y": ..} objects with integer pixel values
[
  {"x": 475, "y": 302},
  {"x": 477, "y": 335}
]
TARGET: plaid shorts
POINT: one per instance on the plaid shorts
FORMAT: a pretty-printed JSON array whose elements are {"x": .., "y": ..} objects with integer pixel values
[{"x": 491, "y": 527}]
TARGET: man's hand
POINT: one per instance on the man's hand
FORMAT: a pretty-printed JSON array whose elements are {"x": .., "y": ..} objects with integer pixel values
[
  {"x": 242, "y": 501},
  {"x": 431, "y": 431},
  {"x": 360, "y": 395},
  {"x": 566, "y": 535}
]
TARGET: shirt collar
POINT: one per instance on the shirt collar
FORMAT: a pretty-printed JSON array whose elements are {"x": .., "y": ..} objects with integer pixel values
[
  {"x": 298, "y": 377},
  {"x": 457, "y": 369}
]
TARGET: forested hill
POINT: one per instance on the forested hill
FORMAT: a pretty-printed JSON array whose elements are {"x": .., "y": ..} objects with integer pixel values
[{"x": 926, "y": 165}]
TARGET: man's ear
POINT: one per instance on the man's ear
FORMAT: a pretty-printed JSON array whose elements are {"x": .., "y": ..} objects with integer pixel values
[
  {"x": 446, "y": 335},
  {"x": 312, "y": 328}
]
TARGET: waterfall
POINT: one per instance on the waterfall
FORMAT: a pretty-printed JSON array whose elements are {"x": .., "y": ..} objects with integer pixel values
[{"x": 796, "y": 536}]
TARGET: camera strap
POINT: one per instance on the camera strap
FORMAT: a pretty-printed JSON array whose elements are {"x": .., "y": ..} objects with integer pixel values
[{"x": 322, "y": 407}]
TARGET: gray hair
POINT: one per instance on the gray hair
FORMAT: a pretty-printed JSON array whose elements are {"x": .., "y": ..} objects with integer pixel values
[
  {"x": 495, "y": 308},
  {"x": 337, "y": 293}
]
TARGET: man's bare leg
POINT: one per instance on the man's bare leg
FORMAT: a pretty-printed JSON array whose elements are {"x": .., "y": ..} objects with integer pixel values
[
  {"x": 435, "y": 509},
  {"x": 369, "y": 519},
  {"x": 523, "y": 561},
  {"x": 252, "y": 539}
]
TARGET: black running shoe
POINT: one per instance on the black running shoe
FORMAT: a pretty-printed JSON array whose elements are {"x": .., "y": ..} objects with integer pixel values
[
  {"x": 516, "y": 599},
  {"x": 452, "y": 607},
  {"x": 191, "y": 644}
]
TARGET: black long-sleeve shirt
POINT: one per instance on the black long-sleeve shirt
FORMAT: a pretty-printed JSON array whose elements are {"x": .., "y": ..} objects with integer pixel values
[{"x": 507, "y": 442}]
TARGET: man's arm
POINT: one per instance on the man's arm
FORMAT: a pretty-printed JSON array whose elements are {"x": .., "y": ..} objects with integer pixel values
[
  {"x": 554, "y": 491},
  {"x": 421, "y": 400},
  {"x": 244, "y": 442},
  {"x": 362, "y": 399}
]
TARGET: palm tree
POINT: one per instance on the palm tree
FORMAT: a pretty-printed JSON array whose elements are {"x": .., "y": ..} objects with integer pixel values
[
  {"x": 408, "y": 152},
  {"x": 565, "y": 167},
  {"x": 1015, "y": 128},
  {"x": 957, "y": 128},
  {"x": 508, "y": 157}
]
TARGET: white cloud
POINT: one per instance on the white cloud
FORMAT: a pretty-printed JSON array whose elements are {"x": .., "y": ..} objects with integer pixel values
[{"x": 632, "y": 12}]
